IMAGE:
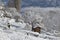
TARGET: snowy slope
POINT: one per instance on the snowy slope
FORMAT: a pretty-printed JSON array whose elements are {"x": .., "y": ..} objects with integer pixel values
[
  {"x": 13, "y": 33},
  {"x": 17, "y": 30}
]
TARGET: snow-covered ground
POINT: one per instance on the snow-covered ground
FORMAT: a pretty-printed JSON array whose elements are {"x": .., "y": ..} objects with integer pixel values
[
  {"x": 50, "y": 16},
  {"x": 16, "y": 31},
  {"x": 16, "y": 35},
  {"x": 21, "y": 30}
]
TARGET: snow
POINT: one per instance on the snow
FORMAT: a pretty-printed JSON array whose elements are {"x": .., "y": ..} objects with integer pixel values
[
  {"x": 17, "y": 36},
  {"x": 50, "y": 17},
  {"x": 22, "y": 30},
  {"x": 28, "y": 27}
]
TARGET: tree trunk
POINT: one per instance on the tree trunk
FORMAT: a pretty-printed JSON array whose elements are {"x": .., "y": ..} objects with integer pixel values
[{"x": 15, "y": 3}]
